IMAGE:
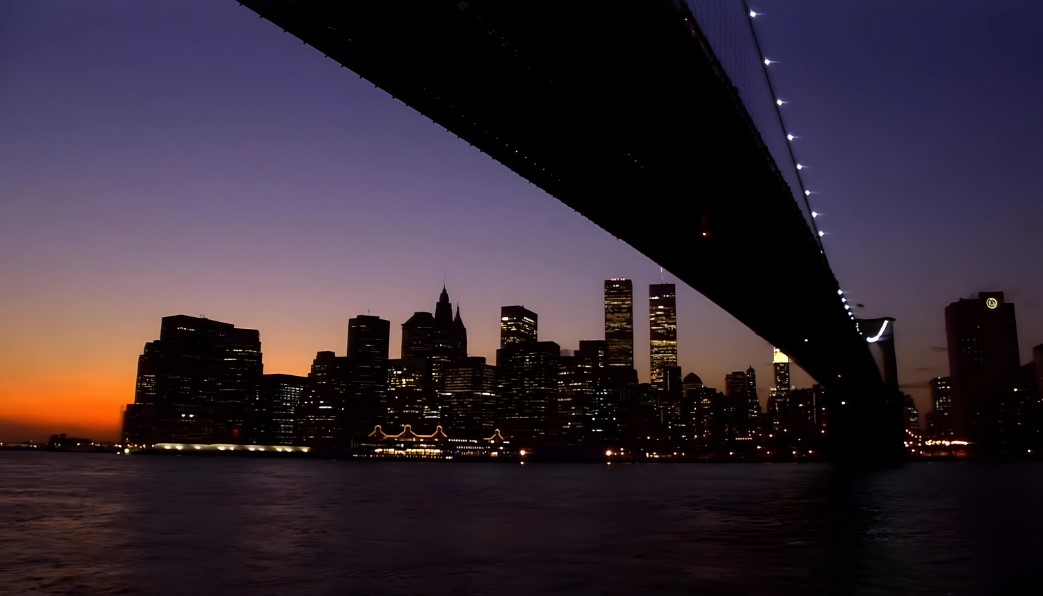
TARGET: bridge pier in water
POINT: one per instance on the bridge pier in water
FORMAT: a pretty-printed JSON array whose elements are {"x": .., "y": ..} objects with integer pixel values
[{"x": 865, "y": 425}]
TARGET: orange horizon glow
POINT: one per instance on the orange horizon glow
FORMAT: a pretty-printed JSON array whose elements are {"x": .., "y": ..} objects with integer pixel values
[{"x": 37, "y": 403}]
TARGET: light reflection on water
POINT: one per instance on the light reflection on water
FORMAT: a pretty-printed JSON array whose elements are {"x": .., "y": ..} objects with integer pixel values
[{"x": 104, "y": 524}]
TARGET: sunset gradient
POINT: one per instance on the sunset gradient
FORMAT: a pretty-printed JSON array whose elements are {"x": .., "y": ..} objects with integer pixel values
[{"x": 187, "y": 157}]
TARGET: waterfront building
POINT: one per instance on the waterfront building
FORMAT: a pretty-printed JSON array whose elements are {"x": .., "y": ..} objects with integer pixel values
[
  {"x": 528, "y": 385},
  {"x": 195, "y": 383},
  {"x": 280, "y": 397},
  {"x": 469, "y": 398},
  {"x": 984, "y": 370},
  {"x": 939, "y": 419}
]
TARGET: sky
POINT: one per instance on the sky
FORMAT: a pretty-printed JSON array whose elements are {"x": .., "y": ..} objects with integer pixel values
[{"x": 188, "y": 157}]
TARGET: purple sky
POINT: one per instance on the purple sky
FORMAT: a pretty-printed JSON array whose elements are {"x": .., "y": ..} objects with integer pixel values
[{"x": 159, "y": 158}]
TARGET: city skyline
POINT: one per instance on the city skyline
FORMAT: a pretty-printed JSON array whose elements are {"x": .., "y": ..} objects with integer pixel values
[{"x": 194, "y": 159}]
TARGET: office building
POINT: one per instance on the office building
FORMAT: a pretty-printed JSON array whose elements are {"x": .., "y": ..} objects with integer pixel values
[
  {"x": 780, "y": 366},
  {"x": 984, "y": 369},
  {"x": 195, "y": 384},
  {"x": 281, "y": 395},
  {"x": 436, "y": 339},
  {"x": 662, "y": 318},
  {"x": 518, "y": 325},
  {"x": 470, "y": 397},
  {"x": 939, "y": 419},
  {"x": 619, "y": 322}
]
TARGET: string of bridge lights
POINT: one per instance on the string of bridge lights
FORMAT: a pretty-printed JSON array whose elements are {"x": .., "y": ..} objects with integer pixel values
[{"x": 790, "y": 137}]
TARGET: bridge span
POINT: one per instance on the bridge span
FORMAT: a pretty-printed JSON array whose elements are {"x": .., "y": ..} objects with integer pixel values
[{"x": 621, "y": 110}]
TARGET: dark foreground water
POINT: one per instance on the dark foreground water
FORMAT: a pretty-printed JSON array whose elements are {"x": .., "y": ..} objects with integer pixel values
[{"x": 107, "y": 524}]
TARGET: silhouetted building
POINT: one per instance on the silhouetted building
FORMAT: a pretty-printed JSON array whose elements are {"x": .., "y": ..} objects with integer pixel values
[
  {"x": 589, "y": 393},
  {"x": 528, "y": 382},
  {"x": 408, "y": 399},
  {"x": 619, "y": 322},
  {"x": 320, "y": 412},
  {"x": 367, "y": 374},
  {"x": 709, "y": 413},
  {"x": 806, "y": 419},
  {"x": 593, "y": 389},
  {"x": 983, "y": 365},
  {"x": 662, "y": 318},
  {"x": 195, "y": 384},
  {"x": 912, "y": 414},
  {"x": 939, "y": 419},
  {"x": 345, "y": 396},
  {"x": 469, "y": 398},
  {"x": 280, "y": 396},
  {"x": 744, "y": 408},
  {"x": 518, "y": 325},
  {"x": 436, "y": 339}
]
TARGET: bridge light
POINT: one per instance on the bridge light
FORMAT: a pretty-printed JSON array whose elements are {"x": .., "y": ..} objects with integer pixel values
[
  {"x": 800, "y": 166},
  {"x": 779, "y": 102},
  {"x": 754, "y": 14},
  {"x": 768, "y": 62},
  {"x": 821, "y": 233},
  {"x": 790, "y": 137},
  {"x": 807, "y": 193},
  {"x": 814, "y": 214},
  {"x": 840, "y": 292}
]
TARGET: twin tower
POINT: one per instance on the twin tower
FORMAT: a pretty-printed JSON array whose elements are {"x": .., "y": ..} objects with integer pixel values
[{"x": 662, "y": 318}]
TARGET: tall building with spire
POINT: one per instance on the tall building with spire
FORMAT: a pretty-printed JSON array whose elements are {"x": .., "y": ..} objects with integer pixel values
[
  {"x": 437, "y": 339},
  {"x": 780, "y": 362},
  {"x": 662, "y": 319},
  {"x": 619, "y": 322}
]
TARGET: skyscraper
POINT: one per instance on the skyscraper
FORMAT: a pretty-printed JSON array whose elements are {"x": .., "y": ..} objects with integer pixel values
[
  {"x": 470, "y": 398},
  {"x": 662, "y": 319},
  {"x": 437, "y": 339},
  {"x": 939, "y": 419},
  {"x": 528, "y": 386},
  {"x": 367, "y": 373},
  {"x": 518, "y": 325},
  {"x": 983, "y": 366},
  {"x": 619, "y": 322},
  {"x": 780, "y": 362},
  {"x": 744, "y": 407},
  {"x": 195, "y": 383},
  {"x": 281, "y": 395}
]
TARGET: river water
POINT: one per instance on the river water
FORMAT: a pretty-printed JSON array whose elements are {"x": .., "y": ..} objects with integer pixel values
[{"x": 108, "y": 524}]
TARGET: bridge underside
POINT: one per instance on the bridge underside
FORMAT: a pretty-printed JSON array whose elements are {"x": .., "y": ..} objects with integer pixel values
[{"x": 619, "y": 110}]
